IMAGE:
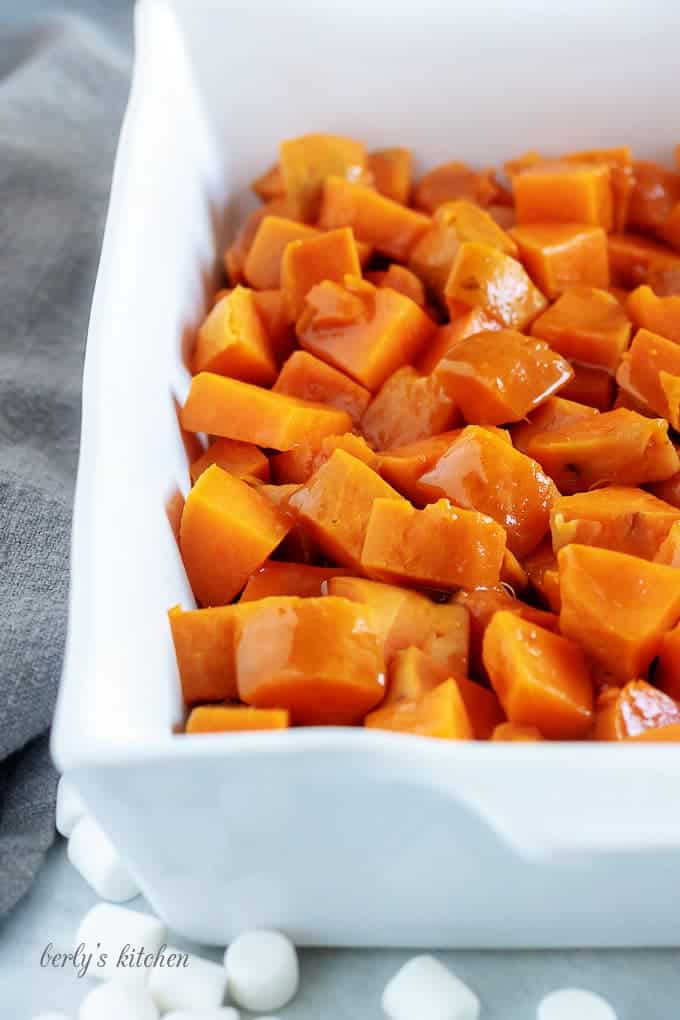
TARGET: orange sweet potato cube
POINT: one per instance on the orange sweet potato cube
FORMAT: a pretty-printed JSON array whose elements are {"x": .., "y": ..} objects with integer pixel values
[
  {"x": 439, "y": 713},
  {"x": 236, "y": 254},
  {"x": 554, "y": 414},
  {"x": 390, "y": 227},
  {"x": 271, "y": 307},
  {"x": 473, "y": 321},
  {"x": 654, "y": 364},
  {"x": 590, "y": 385},
  {"x": 543, "y": 574},
  {"x": 403, "y": 466},
  {"x": 276, "y": 577},
  {"x": 655, "y": 192},
  {"x": 586, "y": 324},
  {"x": 241, "y": 459},
  {"x": 620, "y": 163},
  {"x": 309, "y": 378},
  {"x": 440, "y": 546},
  {"x": 564, "y": 192},
  {"x": 635, "y": 260},
  {"x": 558, "y": 256},
  {"x": 455, "y": 180},
  {"x": 307, "y": 161},
  {"x": 227, "y": 407},
  {"x": 330, "y": 256},
  {"x": 228, "y": 529},
  {"x": 269, "y": 185},
  {"x": 204, "y": 648},
  {"x": 235, "y": 719},
  {"x": 391, "y": 170},
  {"x": 319, "y": 658},
  {"x": 401, "y": 279},
  {"x": 486, "y": 278},
  {"x": 300, "y": 463},
  {"x": 408, "y": 407},
  {"x": 362, "y": 330},
  {"x": 262, "y": 267},
  {"x": 633, "y": 710},
  {"x": 232, "y": 341},
  {"x": 658, "y": 314}
]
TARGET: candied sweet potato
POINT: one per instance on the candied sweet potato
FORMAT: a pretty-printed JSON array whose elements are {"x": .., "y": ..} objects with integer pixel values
[
  {"x": 262, "y": 266},
  {"x": 409, "y": 407},
  {"x": 236, "y": 254},
  {"x": 391, "y": 169},
  {"x": 309, "y": 378},
  {"x": 657, "y": 314},
  {"x": 401, "y": 279},
  {"x": 558, "y": 256},
  {"x": 553, "y": 414},
  {"x": 564, "y": 192},
  {"x": 330, "y": 256},
  {"x": 242, "y": 459},
  {"x": 269, "y": 185},
  {"x": 483, "y": 277},
  {"x": 587, "y": 325},
  {"x": 403, "y": 466},
  {"x": 455, "y": 180},
  {"x": 632, "y": 710},
  {"x": 636, "y": 260},
  {"x": 232, "y": 341},
  {"x": 235, "y": 719},
  {"x": 655, "y": 192},
  {"x": 438, "y": 713},
  {"x": 654, "y": 374},
  {"x": 278, "y": 578},
  {"x": 307, "y": 161},
  {"x": 390, "y": 227},
  {"x": 590, "y": 385},
  {"x": 300, "y": 463},
  {"x": 620, "y": 163},
  {"x": 543, "y": 574},
  {"x": 271, "y": 307},
  {"x": 204, "y": 648},
  {"x": 447, "y": 336}
]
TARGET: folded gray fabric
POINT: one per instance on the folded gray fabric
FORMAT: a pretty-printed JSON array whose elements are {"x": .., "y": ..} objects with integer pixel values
[{"x": 62, "y": 93}]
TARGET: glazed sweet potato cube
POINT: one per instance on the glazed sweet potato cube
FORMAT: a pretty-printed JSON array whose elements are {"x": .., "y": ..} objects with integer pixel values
[
  {"x": 297, "y": 546},
  {"x": 655, "y": 192},
  {"x": 271, "y": 307},
  {"x": 667, "y": 674},
  {"x": 620, "y": 163},
  {"x": 262, "y": 267},
  {"x": 654, "y": 364},
  {"x": 309, "y": 378},
  {"x": 564, "y": 192},
  {"x": 278, "y": 578},
  {"x": 657, "y": 314},
  {"x": 228, "y": 530},
  {"x": 483, "y": 277},
  {"x": 235, "y": 719},
  {"x": 319, "y": 658},
  {"x": 554, "y": 414},
  {"x": 616, "y": 448},
  {"x": 617, "y": 517},
  {"x": 362, "y": 330},
  {"x": 633, "y": 260},
  {"x": 632, "y": 710},
  {"x": 335, "y": 504},
  {"x": 241, "y": 459},
  {"x": 300, "y": 463},
  {"x": 452, "y": 181},
  {"x": 513, "y": 573},
  {"x": 543, "y": 574},
  {"x": 668, "y": 490},
  {"x": 401, "y": 279},
  {"x": 330, "y": 256},
  {"x": 501, "y": 376},
  {"x": 480, "y": 471},
  {"x": 439, "y": 713},
  {"x": 618, "y": 607},
  {"x": 558, "y": 256},
  {"x": 540, "y": 677},
  {"x": 590, "y": 385},
  {"x": 514, "y": 733},
  {"x": 438, "y": 547},
  {"x": 391, "y": 169},
  {"x": 403, "y": 466},
  {"x": 669, "y": 550},
  {"x": 390, "y": 227},
  {"x": 408, "y": 407},
  {"x": 232, "y": 341},
  {"x": 586, "y": 324},
  {"x": 233, "y": 409},
  {"x": 204, "y": 648},
  {"x": 236, "y": 254},
  {"x": 307, "y": 161},
  {"x": 270, "y": 184},
  {"x": 446, "y": 337}
]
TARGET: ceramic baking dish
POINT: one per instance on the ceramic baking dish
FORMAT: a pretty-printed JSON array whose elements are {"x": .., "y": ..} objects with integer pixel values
[{"x": 338, "y": 836}]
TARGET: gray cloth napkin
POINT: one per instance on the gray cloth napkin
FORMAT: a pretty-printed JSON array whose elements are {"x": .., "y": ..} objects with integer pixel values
[{"x": 62, "y": 93}]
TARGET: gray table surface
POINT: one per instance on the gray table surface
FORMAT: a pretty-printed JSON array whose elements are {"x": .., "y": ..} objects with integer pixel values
[{"x": 335, "y": 984}]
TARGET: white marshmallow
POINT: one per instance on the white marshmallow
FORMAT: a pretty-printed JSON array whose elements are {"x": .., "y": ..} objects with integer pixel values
[
  {"x": 424, "y": 989},
  {"x": 200, "y": 986},
  {"x": 115, "y": 1000},
  {"x": 568, "y": 1003},
  {"x": 263, "y": 972},
  {"x": 114, "y": 936},
  {"x": 70, "y": 807},
  {"x": 92, "y": 853},
  {"x": 225, "y": 1013}
]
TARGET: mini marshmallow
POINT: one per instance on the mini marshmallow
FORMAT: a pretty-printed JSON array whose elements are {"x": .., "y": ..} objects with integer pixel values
[
  {"x": 225, "y": 1013},
  {"x": 115, "y": 1000},
  {"x": 263, "y": 972},
  {"x": 121, "y": 941},
  {"x": 424, "y": 989},
  {"x": 92, "y": 853},
  {"x": 70, "y": 807},
  {"x": 567, "y": 1003},
  {"x": 199, "y": 986}
]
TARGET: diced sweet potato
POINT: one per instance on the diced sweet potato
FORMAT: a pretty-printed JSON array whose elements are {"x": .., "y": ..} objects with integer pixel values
[
  {"x": 297, "y": 546},
  {"x": 558, "y": 256},
  {"x": 513, "y": 573},
  {"x": 391, "y": 169},
  {"x": 335, "y": 504},
  {"x": 241, "y": 459},
  {"x": 480, "y": 471},
  {"x": 528, "y": 159},
  {"x": 657, "y": 314},
  {"x": 669, "y": 550},
  {"x": 541, "y": 678},
  {"x": 616, "y": 448},
  {"x": 655, "y": 192},
  {"x": 401, "y": 279},
  {"x": 271, "y": 307},
  {"x": 617, "y": 517},
  {"x": 564, "y": 192},
  {"x": 204, "y": 647},
  {"x": 390, "y": 227},
  {"x": 667, "y": 675},
  {"x": 668, "y": 490},
  {"x": 411, "y": 674},
  {"x": 278, "y": 578},
  {"x": 634, "y": 260},
  {"x": 232, "y": 341},
  {"x": 235, "y": 719},
  {"x": 403, "y": 466},
  {"x": 514, "y": 733},
  {"x": 620, "y": 163},
  {"x": 309, "y": 378},
  {"x": 501, "y": 376},
  {"x": 307, "y": 161},
  {"x": 439, "y": 713},
  {"x": 227, "y": 407},
  {"x": 438, "y": 547},
  {"x": 270, "y": 184},
  {"x": 587, "y": 325},
  {"x": 617, "y": 606},
  {"x": 236, "y": 254},
  {"x": 330, "y": 256},
  {"x": 483, "y": 277},
  {"x": 300, "y": 463},
  {"x": 543, "y": 574},
  {"x": 554, "y": 414},
  {"x": 654, "y": 373},
  {"x": 319, "y": 658},
  {"x": 452, "y": 181},
  {"x": 408, "y": 407},
  {"x": 262, "y": 267},
  {"x": 446, "y": 337},
  {"x": 362, "y": 330},
  {"x": 590, "y": 385},
  {"x": 227, "y": 531},
  {"x": 632, "y": 710}
]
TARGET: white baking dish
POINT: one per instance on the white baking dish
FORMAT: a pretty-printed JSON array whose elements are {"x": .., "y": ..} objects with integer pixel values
[{"x": 338, "y": 836}]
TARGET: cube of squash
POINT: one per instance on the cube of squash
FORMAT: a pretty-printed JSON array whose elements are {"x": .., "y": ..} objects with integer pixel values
[
  {"x": 307, "y": 161},
  {"x": 632, "y": 710},
  {"x": 235, "y": 719},
  {"x": 586, "y": 324},
  {"x": 486, "y": 278},
  {"x": 654, "y": 365},
  {"x": 309, "y": 378},
  {"x": 558, "y": 256},
  {"x": 390, "y": 227},
  {"x": 540, "y": 677},
  {"x": 364, "y": 331},
  {"x": 408, "y": 407},
  {"x": 330, "y": 256},
  {"x": 276, "y": 577},
  {"x": 618, "y": 607},
  {"x": 391, "y": 169},
  {"x": 554, "y": 414},
  {"x": 262, "y": 267},
  {"x": 240, "y": 459},
  {"x": 452, "y": 181},
  {"x": 228, "y": 530},
  {"x": 657, "y": 314},
  {"x": 438, "y": 547},
  {"x": 438, "y": 713},
  {"x": 232, "y": 341},
  {"x": 564, "y": 192},
  {"x": 319, "y": 658}
]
